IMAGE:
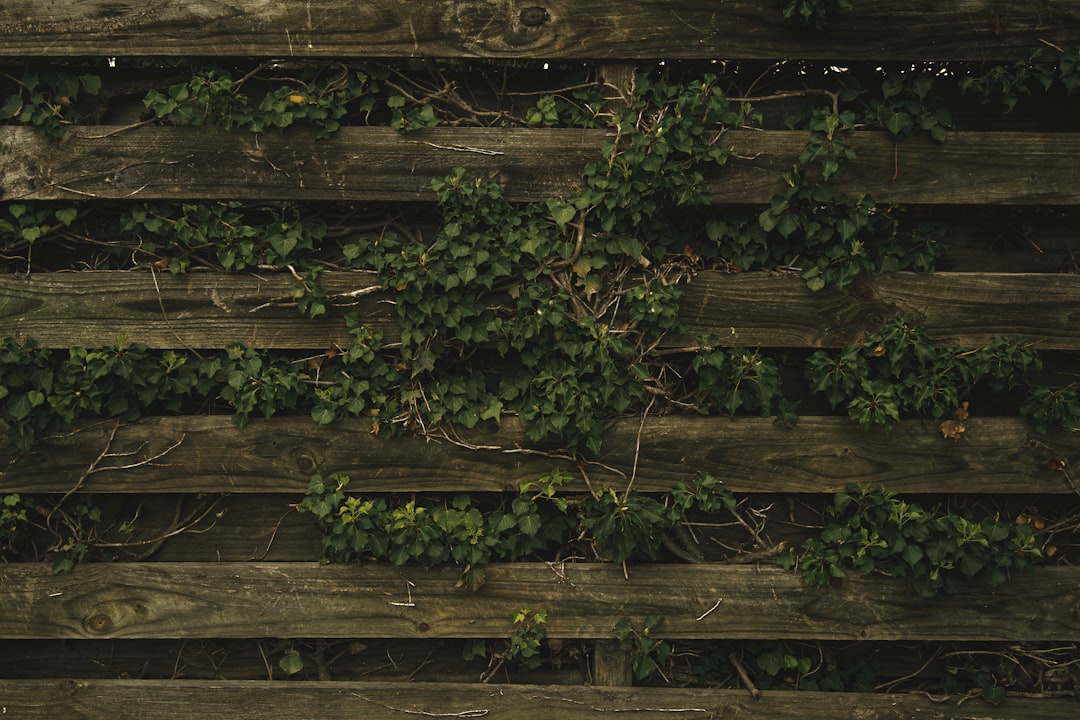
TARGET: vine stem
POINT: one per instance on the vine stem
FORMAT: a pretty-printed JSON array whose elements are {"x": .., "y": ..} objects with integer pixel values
[
  {"x": 809, "y": 92},
  {"x": 750, "y": 687},
  {"x": 637, "y": 449}
]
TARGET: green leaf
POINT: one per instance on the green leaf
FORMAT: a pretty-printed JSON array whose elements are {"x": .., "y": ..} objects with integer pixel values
[
  {"x": 66, "y": 216},
  {"x": 322, "y": 414},
  {"x": 530, "y": 524},
  {"x": 561, "y": 212},
  {"x": 283, "y": 244},
  {"x": 12, "y": 106},
  {"x": 91, "y": 84},
  {"x": 291, "y": 662}
]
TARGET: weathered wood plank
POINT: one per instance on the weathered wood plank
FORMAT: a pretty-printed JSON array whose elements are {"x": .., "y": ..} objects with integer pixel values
[
  {"x": 749, "y": 454},
  {"x": 207, "y": 310},
  {"x": 378, "y": 163},
  {"x": 196, "y": 310},
  {"x": 874, "y": 29},
  {"x": 372, "y": 163},
  {"x": 256, "y": 700},
  {"x": 385, "y": 660},
  {"x": 196, "y": 600},
  {"x": 955, "y": 308}
]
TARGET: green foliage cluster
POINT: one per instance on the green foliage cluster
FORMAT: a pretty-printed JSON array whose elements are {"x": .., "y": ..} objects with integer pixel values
[
  {"x": 537, "y": 521},
  {"x": 829, "y": 238},
  {"x": 44, "y": 392},
  {"x": 907, "y": 106},
  {"x": 67, "y": 529},
  {"x": 782, "y": 665},
  {"x": 13, "y": 519},
  {"x": 1004, "y": 84},
  {"x": 49, "y": 101},
  {"x": 233, "y": 238},
  {"x": 872, "y": 530},
  {"x": 27, "y": 223},
  {"x": 897, "y": 370},
  {"x": 236, "y": 238},
  {"x": 587, "y": 298},
  {"x": 522, "y": 646},
  {"x": 648, "y": 654},
  {"x": 319, "y": 97}
]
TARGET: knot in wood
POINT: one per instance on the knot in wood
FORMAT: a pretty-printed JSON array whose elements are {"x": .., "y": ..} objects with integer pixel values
[
  {"x": 423, "y": 627},
  {"x": 533, "y": 16},
  {"x": 99, "y": 623}
]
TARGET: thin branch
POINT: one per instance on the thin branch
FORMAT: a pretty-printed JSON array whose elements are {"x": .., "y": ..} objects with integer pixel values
[
  {"x": 637, "y": 448},
  {"x": 750, "y": 687},
  {"x": 425, "y": 713},
  {"x": 93, "y": 465}
]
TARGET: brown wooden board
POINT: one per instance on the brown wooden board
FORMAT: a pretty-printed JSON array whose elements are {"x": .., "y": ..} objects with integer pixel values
[
  {"x": 872, "y": 29},
  {"x": 756, "y": 309},
  {"x": 256, "y": 700},
  {"x": 818, "y": 455},
  {"x": 378, "y": 163},
  {"x": 204, "y": 600}
]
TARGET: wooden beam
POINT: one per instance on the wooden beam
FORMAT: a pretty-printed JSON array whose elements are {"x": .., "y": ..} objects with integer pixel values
[
  {"x": 213, "y": 310},
  {"x": 874, "y": 29},
  {"x": 378, "y": 163},
  {"x": 751, "y": 455},
  {"x": 256, "y": 700},
  {"x": 246, "y": 600}
]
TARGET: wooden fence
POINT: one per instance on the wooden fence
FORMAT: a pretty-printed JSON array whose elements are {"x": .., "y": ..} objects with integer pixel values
[{"x": 254, "y": 575}]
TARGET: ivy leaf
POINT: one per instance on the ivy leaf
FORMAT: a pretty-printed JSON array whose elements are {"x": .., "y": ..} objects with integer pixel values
[
  {"x": 896, "y": 122},
  {"x": 66, "y": 216},
  {"x": 322, "y": 414},
  {"x": 529, "y": 524},
  {"x": 91, "y": 84},
  {"x": 561, "y": 212},
  {"x": 291, "y": 662},
  {"x": 283, "y": 244},
  {"x": 11, "y": 107}
]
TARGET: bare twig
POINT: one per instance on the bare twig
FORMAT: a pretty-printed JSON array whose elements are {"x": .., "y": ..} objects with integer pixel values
[
  {"x": 461, "y": 148},
  {"x": 750, "y": 687},
  {"x": 425, "y": 713},
  {"x": 637, "y": 448}
]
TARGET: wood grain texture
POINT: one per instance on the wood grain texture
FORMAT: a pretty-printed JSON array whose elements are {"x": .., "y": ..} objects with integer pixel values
[
  {"x": 378, "y": 163},
  {"x": 819, "y": 455},
  {"x": 955, "y": 308},
  {"x": 207, "y": 310},
  {"x": 257, "y": 700},
  {"x": 195, "y": 310},
  {"x": 874, "y": 29},
  {"x": 246, "y": 600},
  {"x": 370, "y": 163}
]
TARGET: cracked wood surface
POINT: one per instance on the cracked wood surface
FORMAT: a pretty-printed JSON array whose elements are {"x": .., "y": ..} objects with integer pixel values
[
  {"x": 381, "y": 164},
  {"x": 248, "y": 600},
  {"x": 539, "y": 29},
  {"x": 208, "y": 310},
  {"x": 182, "y": 699},
  {"x": 751, "y": 455}
]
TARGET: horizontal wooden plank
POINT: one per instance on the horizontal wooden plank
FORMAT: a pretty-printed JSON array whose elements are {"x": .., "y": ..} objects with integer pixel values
[
  {"x": 378, "y": 163},
  {"x": 197, "y": 600},
  {"x": 750, "y": 455},
  {"x": 256, "y": 700},
  {"x": 371, "y": 163},
  {"x": 968, "y": 309},
  {"x": 196, "y": 310},
  {"x": 873, "y": 29},
  {"x": 208, "y": 310}
]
